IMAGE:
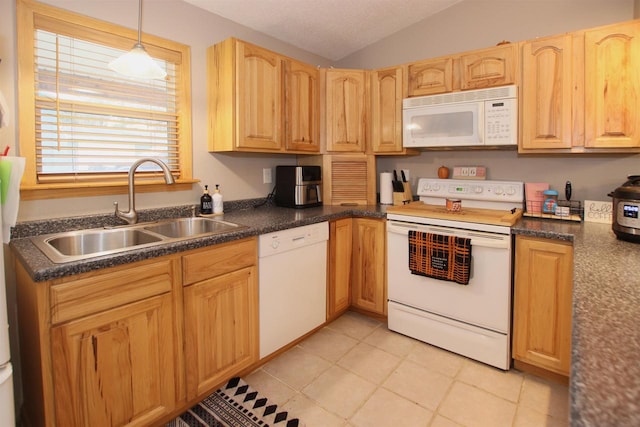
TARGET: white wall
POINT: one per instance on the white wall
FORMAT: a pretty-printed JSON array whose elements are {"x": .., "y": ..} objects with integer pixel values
[
  {"x": 239, "y": 175},
  {"x": 474, "y": 24}
]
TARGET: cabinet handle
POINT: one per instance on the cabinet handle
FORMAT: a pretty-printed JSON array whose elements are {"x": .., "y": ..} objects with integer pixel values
[{"x": 94, "y": 344}]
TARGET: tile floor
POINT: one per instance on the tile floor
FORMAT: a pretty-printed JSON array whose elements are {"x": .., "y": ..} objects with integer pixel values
[{"x": 355, "y": 372}]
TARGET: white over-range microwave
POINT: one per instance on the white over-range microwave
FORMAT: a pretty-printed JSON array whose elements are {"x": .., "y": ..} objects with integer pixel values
[{"x": 483, "y": 117}]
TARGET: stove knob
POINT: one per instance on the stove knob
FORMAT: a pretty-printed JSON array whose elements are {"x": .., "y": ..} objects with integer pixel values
[
  {"x": 511, "y": 191},
  {"x": 478, "y": 189},
  {"x": 498, "y": 190},
  {"x": 426, "y": 187},
  {"x": 436, "y": 187}
]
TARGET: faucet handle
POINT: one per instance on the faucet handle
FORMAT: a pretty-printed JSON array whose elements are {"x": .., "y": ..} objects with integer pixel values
[{"x": 115, "y": 204}]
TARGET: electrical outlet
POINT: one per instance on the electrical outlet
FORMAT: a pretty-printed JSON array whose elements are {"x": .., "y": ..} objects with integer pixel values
[{"x": 266, "y": 176}]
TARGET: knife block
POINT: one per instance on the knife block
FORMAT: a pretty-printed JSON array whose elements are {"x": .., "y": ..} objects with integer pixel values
[{"x": 403, "y": 197}]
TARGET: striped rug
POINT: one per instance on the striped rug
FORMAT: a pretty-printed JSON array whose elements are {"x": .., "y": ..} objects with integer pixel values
[{"x": 235, "y": 405}]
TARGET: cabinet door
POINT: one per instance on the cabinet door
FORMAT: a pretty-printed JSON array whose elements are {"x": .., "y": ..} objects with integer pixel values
[
  {"x": 221, "y": 329},
  {"x": 386, "y": 110},
  {"x": 349, "y": 179},
  {"x": 542, "y": 303},
  {"x": 430, "y": 76},
  {"x": 612, "y": 87},
  {"x": 302, "y": 107},
  {"x": 340, "y": 245},
  {"x": 488, "y": 67},
  {"x": 368, "y": 277},
  {"x": 346, "y": 100},
  {"x": 259, "y": 97},
  {"x": 546, "y": 97},
  {"x": 117, "y": 367}
]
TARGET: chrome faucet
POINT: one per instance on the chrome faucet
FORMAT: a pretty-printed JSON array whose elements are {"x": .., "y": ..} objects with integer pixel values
[{"x": 131, "y": 216}]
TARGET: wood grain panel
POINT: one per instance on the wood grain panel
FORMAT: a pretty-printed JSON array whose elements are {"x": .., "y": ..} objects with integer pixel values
[{"x": 218, "y": 260}]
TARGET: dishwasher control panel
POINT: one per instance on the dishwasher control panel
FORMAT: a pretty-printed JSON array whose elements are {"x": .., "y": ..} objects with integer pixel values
[{"x": 292, "y": 238}]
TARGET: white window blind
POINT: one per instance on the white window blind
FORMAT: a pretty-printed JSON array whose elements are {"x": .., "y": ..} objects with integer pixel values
[{"x": 91, "y": 123}]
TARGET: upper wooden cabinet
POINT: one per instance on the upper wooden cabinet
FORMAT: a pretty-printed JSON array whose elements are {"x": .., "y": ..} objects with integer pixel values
[
  {"x": 346, "y": 99},
  {"x": 612, "y": 86},
  {"x": 494, "y": 66},
  {"x": 580, "y": 92},
  {"x": 247, "y": 101},
  {"x": 547, "y": 93},
  {"x": 478, "y": 69},
  {"x": 302, "y": 107},
  {"x": 429, "y": 76},
  {"x": 387, "y": 91}
]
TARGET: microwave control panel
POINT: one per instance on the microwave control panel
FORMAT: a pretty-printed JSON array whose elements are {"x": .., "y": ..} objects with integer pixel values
[{"x": 501, "y": 124}]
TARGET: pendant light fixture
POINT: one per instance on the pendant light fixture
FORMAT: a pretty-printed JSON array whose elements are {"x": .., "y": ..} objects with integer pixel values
[{"x": 137, "y": 62}]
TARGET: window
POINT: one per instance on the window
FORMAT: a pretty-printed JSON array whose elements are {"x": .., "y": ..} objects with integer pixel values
[{"x": 81, "y": 124}]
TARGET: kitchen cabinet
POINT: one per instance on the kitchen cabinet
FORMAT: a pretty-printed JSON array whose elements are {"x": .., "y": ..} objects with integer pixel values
[
  {"x": 483, "y": 68},
  {"x": 579, "y": 94},
  {"x": 547, "y": 93},
  {"x": 248, "y": 101},
  {"x": 429, "y": 76},
  {"x": 542, "y": 304},
  {"x": 221, "y": 313},
  {"x": 345, "y": 101},
  {"x": 302, "y": 107},
  {"x": 387, "y": 92},
  {"x": 368, "y": 278},
  {"x": 102, "y": 348},
  {"x": 339, "y": 267},
  {"x": 347, "y": 179}
]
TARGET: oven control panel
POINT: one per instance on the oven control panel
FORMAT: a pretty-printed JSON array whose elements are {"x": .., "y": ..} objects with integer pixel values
[{"x": 490, "y": 191}]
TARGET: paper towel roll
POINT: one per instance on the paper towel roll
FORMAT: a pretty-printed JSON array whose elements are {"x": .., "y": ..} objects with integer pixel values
[{"x": 386, "y": 188}]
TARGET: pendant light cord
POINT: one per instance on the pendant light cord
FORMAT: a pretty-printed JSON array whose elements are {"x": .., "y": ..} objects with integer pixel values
[{"x": 139, "y": 23}]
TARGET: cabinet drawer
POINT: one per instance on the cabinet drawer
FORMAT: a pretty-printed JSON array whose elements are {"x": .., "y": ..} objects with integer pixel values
[
  {"x": 96, "y": 293},
  {"x": 221, "y": 259}
]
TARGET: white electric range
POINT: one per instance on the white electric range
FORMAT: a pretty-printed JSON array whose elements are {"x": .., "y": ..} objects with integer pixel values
[{"x": 471, "y": 319}]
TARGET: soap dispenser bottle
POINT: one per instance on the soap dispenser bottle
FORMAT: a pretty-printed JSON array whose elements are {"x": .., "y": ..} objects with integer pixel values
[
  {"x": 217, "y": 201},
  {"x": 206, "y": 202}
]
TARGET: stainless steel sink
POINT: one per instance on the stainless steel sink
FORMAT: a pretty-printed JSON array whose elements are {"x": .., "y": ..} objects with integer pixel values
[
  {"x": 84, "y": 244},
  {"x": 190, "y": 227}
]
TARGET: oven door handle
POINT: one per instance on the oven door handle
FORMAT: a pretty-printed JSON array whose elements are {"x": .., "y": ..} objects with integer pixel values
[{"x": 487, "y": 240}]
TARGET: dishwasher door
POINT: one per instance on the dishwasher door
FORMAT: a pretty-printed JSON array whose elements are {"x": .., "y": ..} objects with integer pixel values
[{"x": 293, "y": 284}]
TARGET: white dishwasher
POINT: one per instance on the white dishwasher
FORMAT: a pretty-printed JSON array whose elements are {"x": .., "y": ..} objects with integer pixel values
[{"x": 293, "y": 284}]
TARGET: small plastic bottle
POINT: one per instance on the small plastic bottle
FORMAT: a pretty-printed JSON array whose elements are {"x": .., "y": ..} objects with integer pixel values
[
  {"x": 206, "y": 202},
  {"x": 217, "y": 201},
  {"x": 550, "y": 202}
]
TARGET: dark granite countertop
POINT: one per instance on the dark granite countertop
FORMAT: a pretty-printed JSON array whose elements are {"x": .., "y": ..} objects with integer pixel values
[
  {"x": 258, "y": 220},
  {"x": 605, "y": 350}
]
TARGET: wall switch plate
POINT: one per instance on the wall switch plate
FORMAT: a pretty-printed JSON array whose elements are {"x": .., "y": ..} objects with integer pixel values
[{"x": 266, "y": 176}]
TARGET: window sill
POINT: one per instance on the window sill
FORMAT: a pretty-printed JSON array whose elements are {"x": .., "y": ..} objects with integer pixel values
[{"x": 60, "y": 191}]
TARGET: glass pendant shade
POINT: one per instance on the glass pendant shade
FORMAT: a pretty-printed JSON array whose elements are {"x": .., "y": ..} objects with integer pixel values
[{"x": 137, "y": 62}]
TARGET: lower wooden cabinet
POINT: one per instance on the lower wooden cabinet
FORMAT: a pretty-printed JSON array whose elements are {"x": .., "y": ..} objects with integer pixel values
[
  {"x": 368, "y": 278},
  {"x": 132, "y": 344},
  {"x": 542, "y": 303},
  {"x": 339, "y": 267}
]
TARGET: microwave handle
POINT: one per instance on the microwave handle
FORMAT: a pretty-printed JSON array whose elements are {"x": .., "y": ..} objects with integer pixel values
[{"x": 481, "y": 123}]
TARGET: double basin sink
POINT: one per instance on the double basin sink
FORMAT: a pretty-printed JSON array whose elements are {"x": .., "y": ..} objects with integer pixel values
[{"x": 83, "y": 244}]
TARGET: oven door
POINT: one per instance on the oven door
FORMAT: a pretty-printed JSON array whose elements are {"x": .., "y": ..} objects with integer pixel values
[{"x": 484, "y": 302}]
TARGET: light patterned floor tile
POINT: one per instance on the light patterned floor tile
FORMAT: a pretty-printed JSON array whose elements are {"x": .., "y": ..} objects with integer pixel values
[
  {"x": 369, "y": 362},
  {"x": 354, "y": 325},
  {"x": 268, "y": 385},
  {"x": 503, "y": 384},
  {"x": 385, "y": 408},
  {"x": 390, "y": 341},
  {"x": 311, "y": 414},
  {"x": 440, "y": 421},
  {"x": 296, "y": 367},
  {"x": 436, "y": 359},
  {"x": 419, "y": 384},
  {"x": 527, "y": 417},
  {"x": 546, "y": 397},
  {"x": 339, "y": 391},
  {"x": 329, "y": 344},
  {"x": 471, "y": 406}
]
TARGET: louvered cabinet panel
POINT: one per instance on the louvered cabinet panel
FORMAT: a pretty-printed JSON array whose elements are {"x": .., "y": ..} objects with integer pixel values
[{"x": 349, "y": 179}]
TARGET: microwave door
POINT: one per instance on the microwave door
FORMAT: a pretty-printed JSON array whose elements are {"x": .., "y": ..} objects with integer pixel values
[{"x": 443, "y": 125}]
